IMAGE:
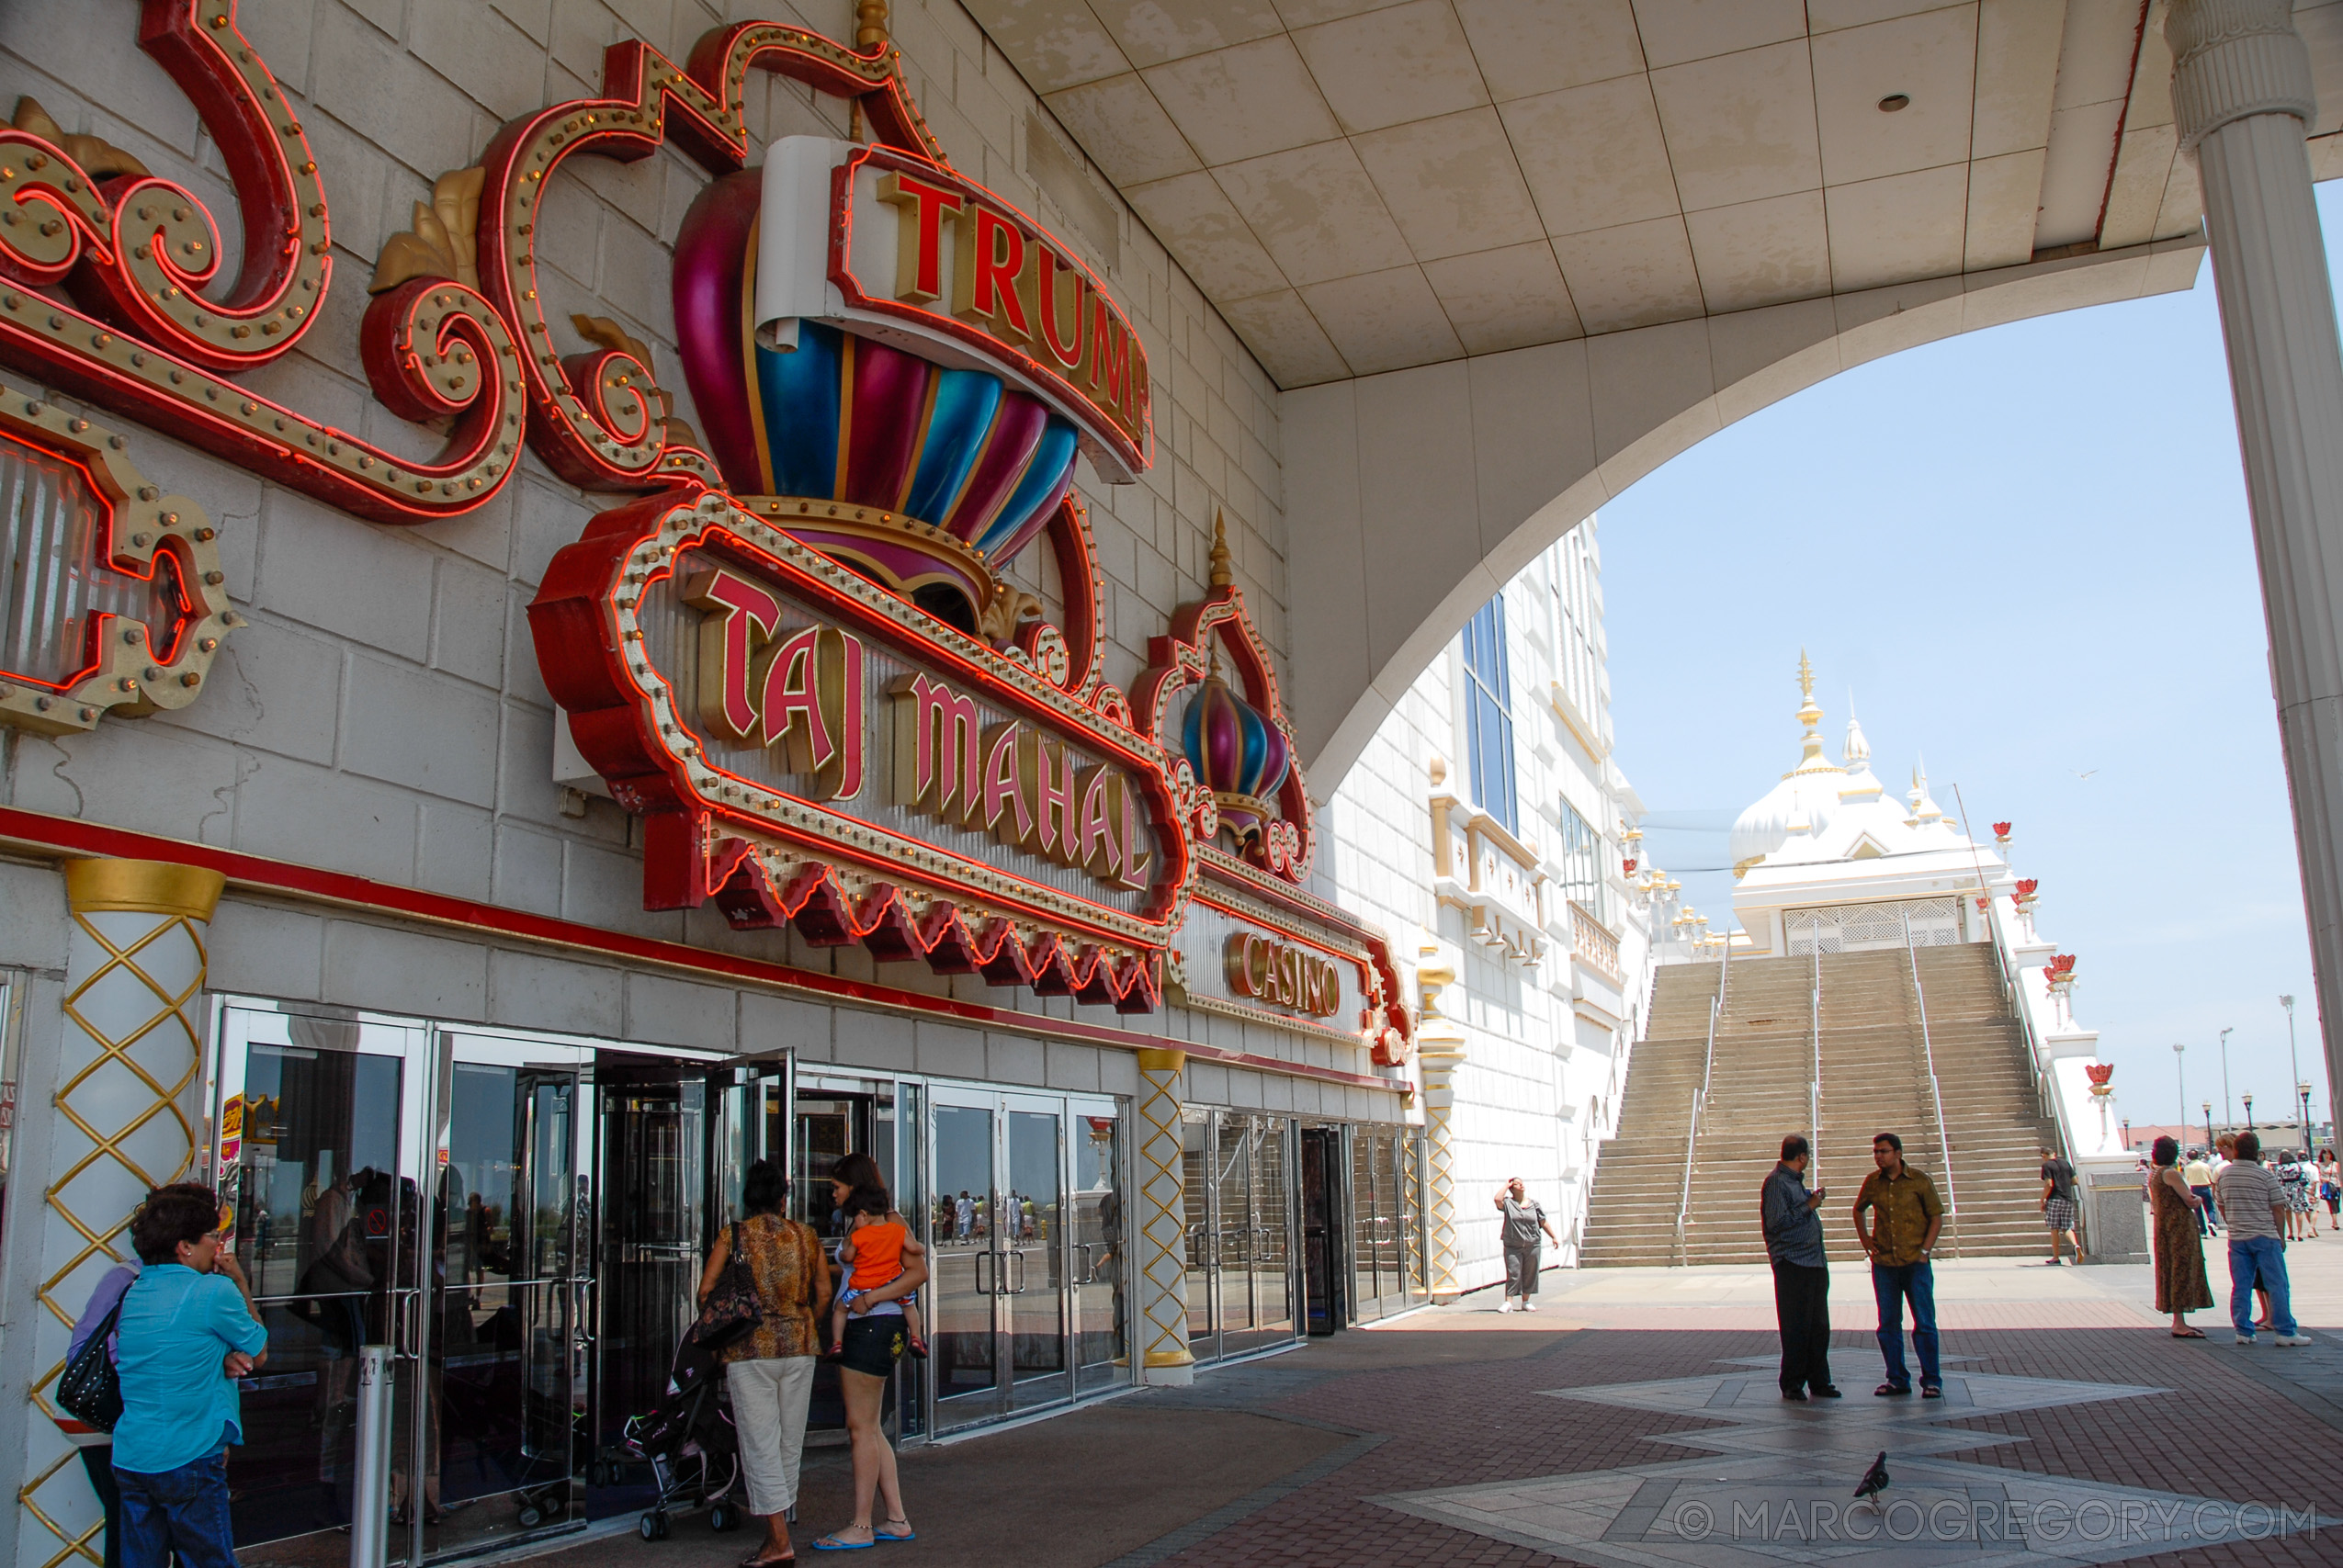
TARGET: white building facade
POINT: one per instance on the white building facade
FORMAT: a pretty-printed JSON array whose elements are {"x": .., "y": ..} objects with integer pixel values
[{"x": 1487, "y": 817}]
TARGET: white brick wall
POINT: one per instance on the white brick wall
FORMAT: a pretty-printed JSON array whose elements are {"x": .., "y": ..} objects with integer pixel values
[{"x": 1538, "y": 1081}]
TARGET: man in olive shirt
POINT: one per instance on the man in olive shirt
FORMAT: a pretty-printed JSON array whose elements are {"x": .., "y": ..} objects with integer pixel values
[{"x": 1909, "y": 1215}]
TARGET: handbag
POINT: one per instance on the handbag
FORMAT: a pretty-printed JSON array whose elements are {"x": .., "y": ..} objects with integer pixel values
[
  {"x": 91, "y": 1389},
  {"x": 733, "y": 1307}
]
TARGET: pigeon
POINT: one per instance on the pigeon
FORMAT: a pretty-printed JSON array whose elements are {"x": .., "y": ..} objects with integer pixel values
[{"x": 1874, "y": 1479}]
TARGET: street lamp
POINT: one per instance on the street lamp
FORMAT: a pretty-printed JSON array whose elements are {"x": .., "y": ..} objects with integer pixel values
[
  {"x": 2208, "y": 1126},
  {"x": 2181, "y": 1074},
  {"x": 2302, "y": 1089},
  {"x": 2292, "y": 1060},
  {"x": 2228, "y": 1106},
  {"x": 2249, "y": 1111}
]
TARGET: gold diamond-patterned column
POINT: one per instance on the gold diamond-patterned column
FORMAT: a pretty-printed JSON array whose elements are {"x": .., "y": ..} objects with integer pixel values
[
  {"x": 129, "y": 1069},
  {"x": 1163, "y": 1222},
  {"x": 1440, "y": 1050}
]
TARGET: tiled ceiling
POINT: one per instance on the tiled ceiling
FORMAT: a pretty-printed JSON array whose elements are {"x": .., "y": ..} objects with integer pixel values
[{"x": 1362, "y": 186}]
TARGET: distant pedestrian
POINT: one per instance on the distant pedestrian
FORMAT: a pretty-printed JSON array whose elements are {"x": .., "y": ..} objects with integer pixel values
[
  {"x": 963, "y": 1216},
  {"x": 2199, "y": 1178},
  {"x": 2330, "y": 1188},
  {"x": 2180, "y": 1286},
  {"x": 98, "y": 1448},
  {"x": 2058, "y": 1204},
  {"x": 1793, "y": 1228},
  {"x": 1524, "y": 1217},
  {"x": 2299, "y": 1176},
  {"x": 2254, "y": 1208},
  {"x": 1910, "y": 1216}
]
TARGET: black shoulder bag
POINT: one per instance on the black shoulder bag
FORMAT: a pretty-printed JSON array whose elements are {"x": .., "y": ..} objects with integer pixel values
[
  {"x": 733, "y": 1308},
  {"x": 91, "y": 1390}
]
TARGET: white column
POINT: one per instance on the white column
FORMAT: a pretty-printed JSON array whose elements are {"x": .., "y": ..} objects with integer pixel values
[
  {"x": 1162, "y": 1326},
  {"x": 1440, "y": 1050},
  {"x": 2242, "y": 93},
  {"x": 125, "y": 1118}
]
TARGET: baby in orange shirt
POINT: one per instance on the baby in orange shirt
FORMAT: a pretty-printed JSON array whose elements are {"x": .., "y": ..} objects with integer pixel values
[{"x": 873, "y": 1255}]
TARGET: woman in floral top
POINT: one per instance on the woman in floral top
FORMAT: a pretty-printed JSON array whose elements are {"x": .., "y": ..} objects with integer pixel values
[{"x": 769, "y": 1371}]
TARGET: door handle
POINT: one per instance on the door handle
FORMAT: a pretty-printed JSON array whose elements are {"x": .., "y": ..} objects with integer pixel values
[
  {"x": 981, "y": 1259},
  {"x": 1019, "y": 1287}
]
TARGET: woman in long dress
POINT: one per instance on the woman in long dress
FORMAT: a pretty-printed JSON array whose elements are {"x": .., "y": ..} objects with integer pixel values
[{"x": 2180, "y": 1286}]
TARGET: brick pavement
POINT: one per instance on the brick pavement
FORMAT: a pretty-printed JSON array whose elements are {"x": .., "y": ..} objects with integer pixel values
[{"x": 1460, "y": 1397}]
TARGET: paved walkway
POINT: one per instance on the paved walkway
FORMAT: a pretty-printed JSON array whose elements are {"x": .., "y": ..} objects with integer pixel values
[{"x": 1634, "y": 1421}]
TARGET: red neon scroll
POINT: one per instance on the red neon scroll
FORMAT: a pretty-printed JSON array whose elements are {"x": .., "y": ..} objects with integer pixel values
[{"x": 103, "y": 279}]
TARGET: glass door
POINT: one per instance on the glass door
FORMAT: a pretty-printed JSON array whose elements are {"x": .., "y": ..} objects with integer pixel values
[
  {"x": 1238, "y": 1175},
  {"x": 1028, "y": 1300},
  {"x": 504, "y": 1428},
  {"x": 1100, "y": 1250},
  {"x": 964, "y": 1333},
  {"x": 317, "y": 1158}
]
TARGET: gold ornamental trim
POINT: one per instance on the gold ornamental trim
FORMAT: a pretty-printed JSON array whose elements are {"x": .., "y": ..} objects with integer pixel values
[
  {"x": 1155, "y": 1060},
  {"x": 147, "y": 887}
]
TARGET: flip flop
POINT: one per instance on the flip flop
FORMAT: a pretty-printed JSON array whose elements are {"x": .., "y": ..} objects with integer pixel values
[
  {"x": 2187, "y": 1334},
  {"x": 908, "y": 1534},
  {"x": 832, "y": 1543},
  {"x": 753, "y": 1560}
]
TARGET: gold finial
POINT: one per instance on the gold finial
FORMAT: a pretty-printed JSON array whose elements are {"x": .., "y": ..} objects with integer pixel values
[
  {"x": 1811, "y": 716},
  {"x": 870, "y": 24},
  {"x": 1222, "y": 575}
]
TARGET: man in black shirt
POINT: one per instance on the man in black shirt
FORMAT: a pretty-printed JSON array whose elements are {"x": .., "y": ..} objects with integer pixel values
[{"x": 1801, "y": 1272}]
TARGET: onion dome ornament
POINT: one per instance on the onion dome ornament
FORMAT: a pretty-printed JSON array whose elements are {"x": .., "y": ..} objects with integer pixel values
[
  {"x": 1238, "y": 751},
  {"x": 964, "y": 470}
]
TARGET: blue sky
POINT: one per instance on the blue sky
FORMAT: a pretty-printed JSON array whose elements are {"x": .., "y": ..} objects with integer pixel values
[{"x": 2027, "y": 551}]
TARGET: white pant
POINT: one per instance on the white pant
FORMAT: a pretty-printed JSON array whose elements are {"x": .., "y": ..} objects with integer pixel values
[{"x": 769, "y": 1401}]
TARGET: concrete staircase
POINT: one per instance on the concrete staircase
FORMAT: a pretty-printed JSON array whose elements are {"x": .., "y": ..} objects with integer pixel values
[{"x": 1873, "y": 1078}]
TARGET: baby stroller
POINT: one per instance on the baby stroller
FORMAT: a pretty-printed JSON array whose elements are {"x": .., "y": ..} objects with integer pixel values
[{"x": 689, "y": 1441}]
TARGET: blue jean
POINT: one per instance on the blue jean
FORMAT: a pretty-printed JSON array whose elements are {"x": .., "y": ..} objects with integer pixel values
[
  {"x": 2206, "y": 1224},
  {"x": 183, "y": 1510},
  {"x": 1915, "y": 1282},
  {"x": 2260, "y": 1259}
]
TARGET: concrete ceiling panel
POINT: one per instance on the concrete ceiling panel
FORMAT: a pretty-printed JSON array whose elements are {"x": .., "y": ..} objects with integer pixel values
[
  {"x": 1450, "y": 184},
  {"x": 1634, "y": 276},
  {"x": 1929, "y": 58},
  {"x": 1740, "y": 126},
  {"x": 1391, "y": 66},
  {"x": 1055, "y": 43},
  {"x": 1192, "y": 218},
  {"x": 1677, "y": 30},
  {"x": 1594, "y": 156},
  {"x": 1154, "y": 31},
  {"x": 2003, "y": 195},
  {"x": 2017, "y": 75},
  {"x": 1904, "y": 226},
  {"x": 1761, "y": 252},
  {"x": 1317, "y": 211},
  {"x": 1309, "y": 12},
  {"x": 1244, "y": 102},
  {"x": 1286, "y": 339},
  {"x": 1526, "y": 47},
  {"x": 1830, "y": 15},
  {"x": 2074, "y": 175},
  {"x": 1508, "y": 299},
  {"x": 2095, "y": 57},
  {"x": 1383, "y": 321},
  {"x": 1123, "y": 130}
]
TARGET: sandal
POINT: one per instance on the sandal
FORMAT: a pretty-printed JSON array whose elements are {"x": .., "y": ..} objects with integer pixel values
[
  {"x": 918, "y": 1347},
  {"x": 909, "y": 1533},
  {"x": 832, "y": 1543},
  {"x": 2187, "y": 1334},
  {"x": 753, "y": 1560}
]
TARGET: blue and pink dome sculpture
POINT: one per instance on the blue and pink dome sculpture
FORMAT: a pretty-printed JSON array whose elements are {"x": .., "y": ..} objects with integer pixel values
[
  {"x": 1236, "y": 754},
  {"x": 968, "y": 468}
]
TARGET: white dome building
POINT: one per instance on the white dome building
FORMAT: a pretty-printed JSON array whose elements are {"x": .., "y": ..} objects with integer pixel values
[
  {"x": 1827, "y": 858},
  {"x": 1804, "y": 802}
]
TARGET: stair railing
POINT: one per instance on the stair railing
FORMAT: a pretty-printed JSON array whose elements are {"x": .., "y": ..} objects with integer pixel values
[
  {"x": 1813, "y": 1081},
  {"x": 1936, "y": 1094},
  {"x": 2048, "y": 1104},
  {"x": 1699, "y": 1101}
]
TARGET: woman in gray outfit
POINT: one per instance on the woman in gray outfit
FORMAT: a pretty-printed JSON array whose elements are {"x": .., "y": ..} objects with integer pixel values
[{"x": 1524, "y": 1217}]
